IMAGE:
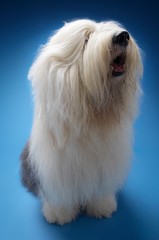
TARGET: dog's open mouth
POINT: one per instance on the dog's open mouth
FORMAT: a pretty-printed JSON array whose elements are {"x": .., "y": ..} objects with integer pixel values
[{"x": 118, "y": 65}]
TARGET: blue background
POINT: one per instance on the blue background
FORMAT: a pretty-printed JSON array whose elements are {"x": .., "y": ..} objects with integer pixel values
[{"x": 24, "y": 26}]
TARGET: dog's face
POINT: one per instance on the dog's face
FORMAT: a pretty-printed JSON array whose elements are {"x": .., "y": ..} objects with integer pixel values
[
  {"x": 111, "y": 61},
  {"x": 97, "y": 63}
]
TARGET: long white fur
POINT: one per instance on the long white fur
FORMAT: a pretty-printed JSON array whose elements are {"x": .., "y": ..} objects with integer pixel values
[{"x": 82, "y": 161}]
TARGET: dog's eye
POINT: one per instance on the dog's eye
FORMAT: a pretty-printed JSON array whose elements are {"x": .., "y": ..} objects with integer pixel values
[{"x": 86, "y": 40}]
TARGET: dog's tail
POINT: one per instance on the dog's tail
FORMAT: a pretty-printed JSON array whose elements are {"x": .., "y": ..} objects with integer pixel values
[{"x": 29, "y": 176}]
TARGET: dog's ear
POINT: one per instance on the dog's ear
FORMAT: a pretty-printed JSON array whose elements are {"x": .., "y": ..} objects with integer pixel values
[{"x": 63, "y": 49}]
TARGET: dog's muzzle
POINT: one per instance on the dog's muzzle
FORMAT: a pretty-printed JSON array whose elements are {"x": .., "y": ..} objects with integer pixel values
[{"x": 120, "y": 41}]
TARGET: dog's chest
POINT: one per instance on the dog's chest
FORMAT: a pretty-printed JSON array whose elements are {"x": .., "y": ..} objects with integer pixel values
[{"x": 92, "y": 159}]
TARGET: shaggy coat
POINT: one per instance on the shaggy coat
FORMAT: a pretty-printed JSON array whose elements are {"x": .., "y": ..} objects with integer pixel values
[{"x": 86, "y": 88}]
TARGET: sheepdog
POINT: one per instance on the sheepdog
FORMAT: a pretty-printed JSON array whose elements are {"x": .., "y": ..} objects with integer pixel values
[{"x": 86, "y": 87}]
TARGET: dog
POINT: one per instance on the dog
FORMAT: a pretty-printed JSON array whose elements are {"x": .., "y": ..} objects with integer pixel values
[{"x": 86, "y": 84}]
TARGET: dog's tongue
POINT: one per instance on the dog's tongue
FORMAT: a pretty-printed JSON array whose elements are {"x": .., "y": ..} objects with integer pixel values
[{"x": 118, "y": 67}]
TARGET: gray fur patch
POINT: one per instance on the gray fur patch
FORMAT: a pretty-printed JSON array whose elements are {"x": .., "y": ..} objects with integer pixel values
[{"x": 29, "y": 176}]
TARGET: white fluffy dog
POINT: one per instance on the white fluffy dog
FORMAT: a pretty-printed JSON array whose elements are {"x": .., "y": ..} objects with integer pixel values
[{"x": 86, "y": 85}]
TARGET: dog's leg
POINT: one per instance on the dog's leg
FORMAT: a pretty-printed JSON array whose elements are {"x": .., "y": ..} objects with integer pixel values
[
  {"x": 59, "y": 215},
  {"x": 102, "y": 207}
]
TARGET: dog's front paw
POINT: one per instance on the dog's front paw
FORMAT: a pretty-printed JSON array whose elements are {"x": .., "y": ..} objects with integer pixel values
[
  {"x": 58, "y": 215},
  {"x": 102, "y": 207}
]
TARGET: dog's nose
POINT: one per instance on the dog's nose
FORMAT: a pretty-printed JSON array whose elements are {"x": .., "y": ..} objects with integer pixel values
[{"x": 121, "y": 39}]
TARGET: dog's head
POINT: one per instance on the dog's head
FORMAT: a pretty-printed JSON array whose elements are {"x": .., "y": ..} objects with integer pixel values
[{"x": 89, "y": 67}]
